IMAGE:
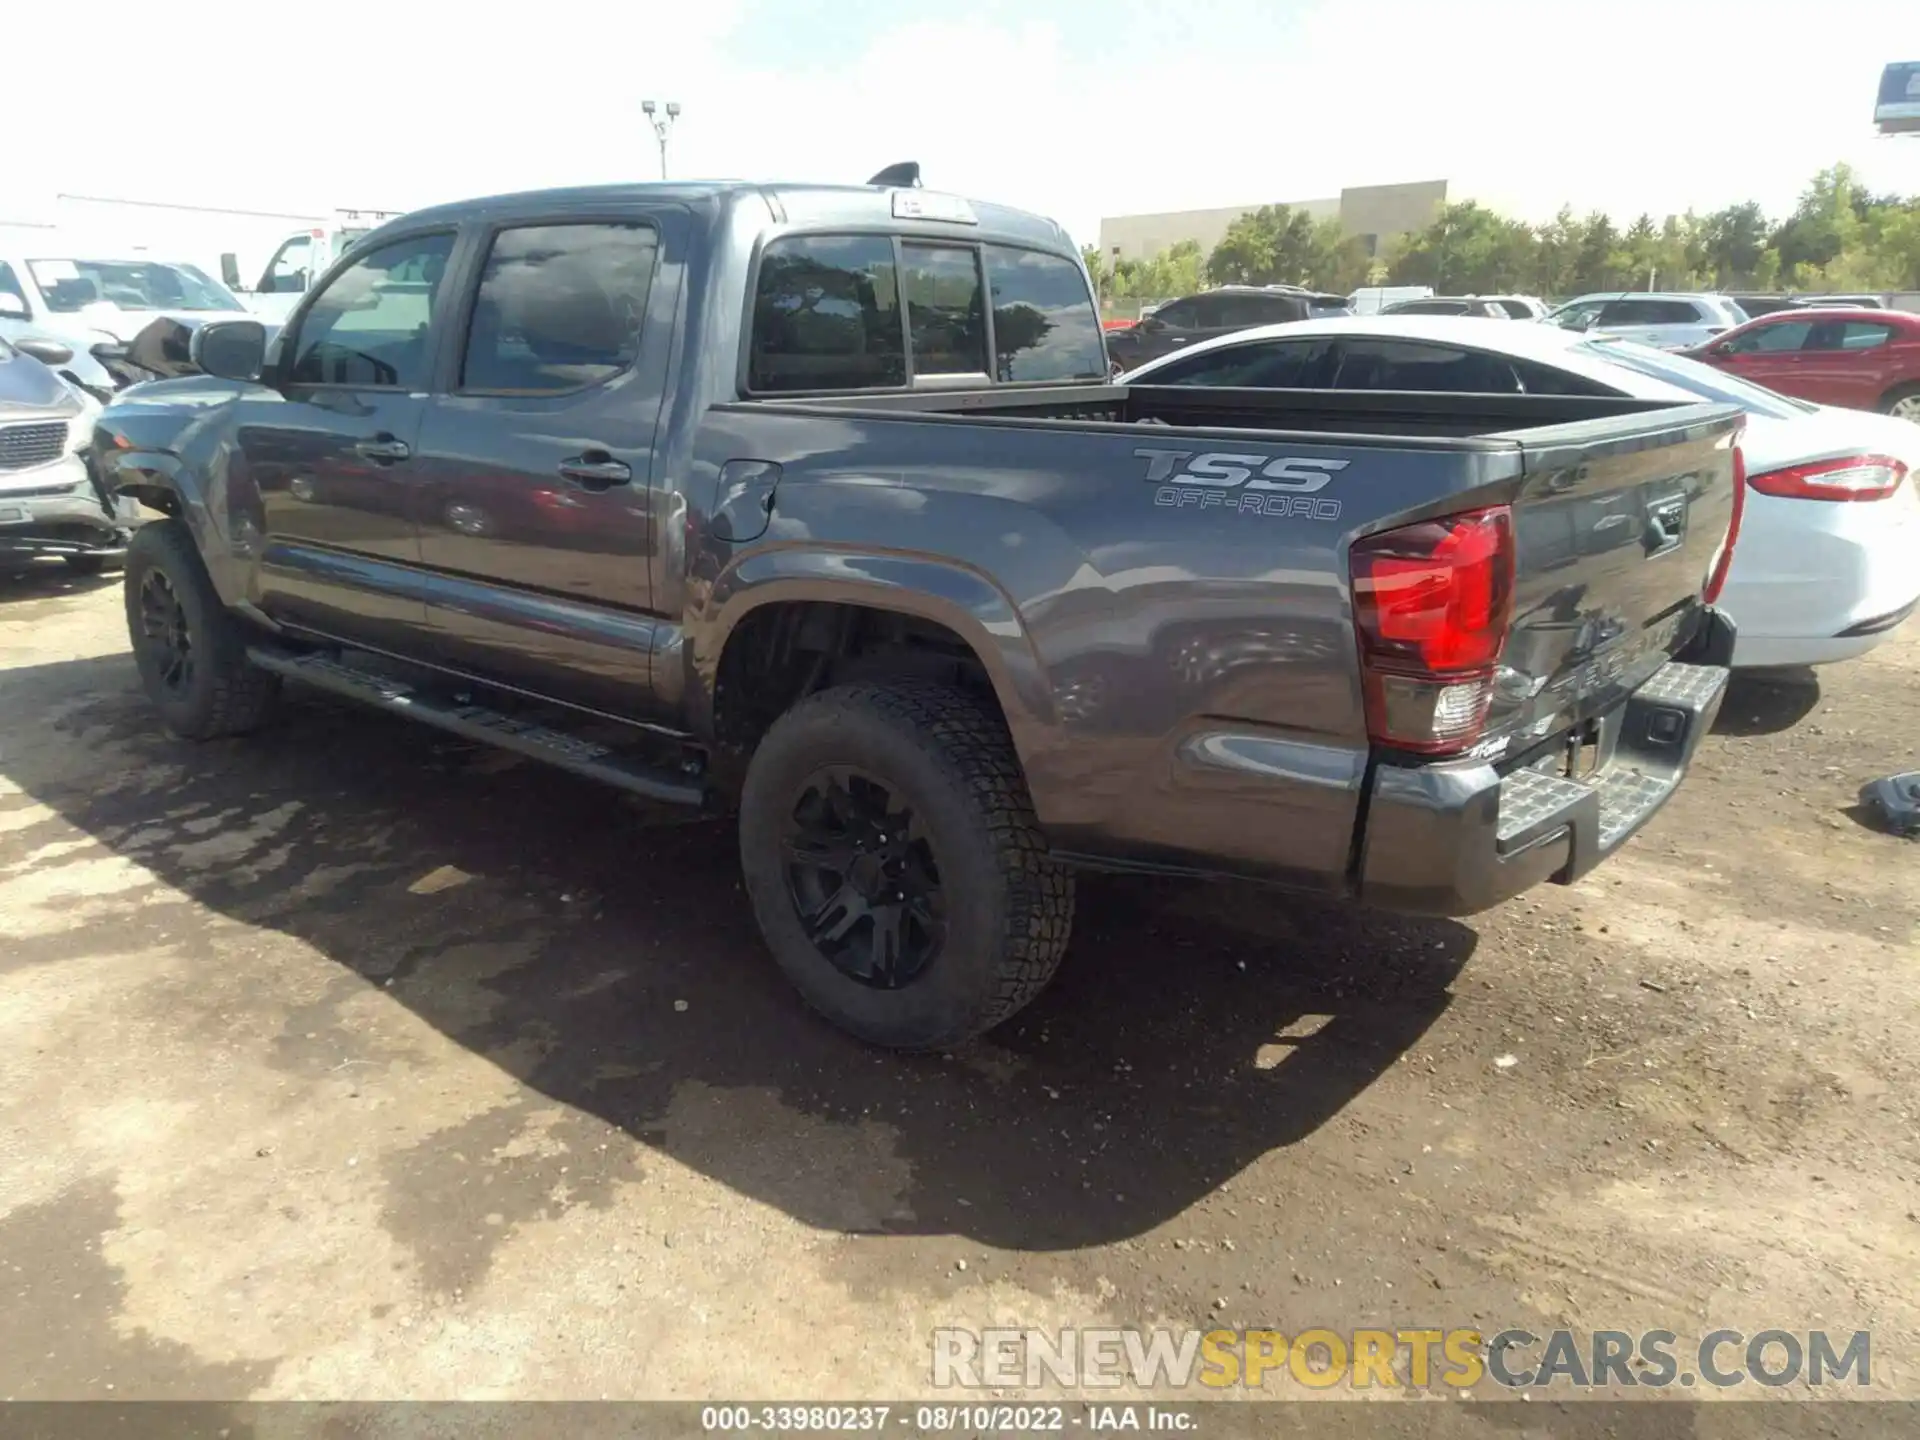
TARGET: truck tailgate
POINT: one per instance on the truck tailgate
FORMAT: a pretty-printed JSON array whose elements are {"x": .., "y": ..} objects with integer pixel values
[{"x": 1618, "y": 525}]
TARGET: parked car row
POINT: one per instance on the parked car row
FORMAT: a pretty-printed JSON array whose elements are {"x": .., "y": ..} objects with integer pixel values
[
  {"x": 1860, "y": 359},
  {"x": 1829, "y": 558}
]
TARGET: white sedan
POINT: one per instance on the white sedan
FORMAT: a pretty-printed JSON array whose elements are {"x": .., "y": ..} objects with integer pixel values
[{"x": 1828, "y": 559}]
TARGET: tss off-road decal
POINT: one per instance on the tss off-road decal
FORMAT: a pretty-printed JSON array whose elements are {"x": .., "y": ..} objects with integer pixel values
[{"x": 1245, "y": 484}]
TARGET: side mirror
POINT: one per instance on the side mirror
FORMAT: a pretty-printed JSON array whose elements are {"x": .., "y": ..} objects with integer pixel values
[
  {"x": 230, "y": 270},
  {"x": 230, "y": 349},
  {"x": 12, "y": 307},
  {"x": 47, "y": 352}
]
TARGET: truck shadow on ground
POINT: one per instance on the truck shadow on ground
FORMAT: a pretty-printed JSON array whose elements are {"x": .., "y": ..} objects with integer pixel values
[
  {"x": 603, "y": 954},
  {"x": 1766, "y": 702}
]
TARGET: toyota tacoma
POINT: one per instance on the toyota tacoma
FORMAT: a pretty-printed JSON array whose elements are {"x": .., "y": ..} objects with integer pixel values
[{"x": 814, "y": 504}]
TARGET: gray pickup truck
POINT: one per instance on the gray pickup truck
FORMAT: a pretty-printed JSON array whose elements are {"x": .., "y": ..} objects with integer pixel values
[{"x": 815, "y": 503}]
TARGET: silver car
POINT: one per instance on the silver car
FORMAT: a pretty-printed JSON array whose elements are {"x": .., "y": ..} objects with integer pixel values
[
  {"x": 1670, "y": 321},
  {"x": 82, "y": 303}
]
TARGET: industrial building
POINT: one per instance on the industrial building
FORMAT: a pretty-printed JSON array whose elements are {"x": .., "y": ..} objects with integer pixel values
[{"x": 1375, "y": 213}]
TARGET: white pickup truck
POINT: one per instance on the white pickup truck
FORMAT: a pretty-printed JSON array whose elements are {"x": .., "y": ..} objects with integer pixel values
[{"x": 298, "y": 260}]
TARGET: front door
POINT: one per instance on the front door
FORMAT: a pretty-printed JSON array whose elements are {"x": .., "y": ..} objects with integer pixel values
[
  {"x": 535, "y": 463},
  {"x": 1768, "y": 354},
  {"x": 329, "y": 442}
]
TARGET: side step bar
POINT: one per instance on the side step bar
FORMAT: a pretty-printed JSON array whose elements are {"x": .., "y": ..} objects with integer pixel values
[{"x": 475, "y": 722}]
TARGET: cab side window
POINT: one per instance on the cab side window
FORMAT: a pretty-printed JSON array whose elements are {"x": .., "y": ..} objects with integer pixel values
[
  {"x": 371, "y": 326},
  {"x": 559, "y": 307}
]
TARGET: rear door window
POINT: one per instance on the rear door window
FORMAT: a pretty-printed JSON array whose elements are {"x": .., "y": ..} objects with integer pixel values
[
  {"x": 1045, "y": 326},
  {"x": 1400, "y": 365},
  {"x": 559, "y": 307},
  {"x": 1864, "y": 335},
  {"x": 826, "y": 316}
]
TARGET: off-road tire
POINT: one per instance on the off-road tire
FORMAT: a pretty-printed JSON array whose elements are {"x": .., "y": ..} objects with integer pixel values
[
  {"x": 225, "y": 694},
  {"x": 1009, "y": 903}
]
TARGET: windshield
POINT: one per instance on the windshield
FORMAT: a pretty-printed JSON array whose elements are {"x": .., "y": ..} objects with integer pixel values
[
  {"x": 1690, "y": 375},
  {"x": 70, "y": 285}
]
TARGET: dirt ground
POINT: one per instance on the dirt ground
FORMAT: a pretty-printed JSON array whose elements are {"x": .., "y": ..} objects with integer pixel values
[{"x": 353, "y": 1061}]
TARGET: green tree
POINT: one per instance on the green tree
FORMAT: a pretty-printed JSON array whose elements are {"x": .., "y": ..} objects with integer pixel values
[
  {"x": 1596, "y": 255},
  {"x": 1823, "y": 225},
  {"x": 1556, "y": 255},
  {"x": 1273, "y": 245},
  {"x": 1096, "y": 264},
  {"x": 1341, "y": 263},
  {"x": 1733, "y": 240}
]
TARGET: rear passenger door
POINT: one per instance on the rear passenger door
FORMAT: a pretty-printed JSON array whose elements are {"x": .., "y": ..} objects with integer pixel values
[
  {"x": 536, "y": 457},
  {"x": 1845, "y": 362}
]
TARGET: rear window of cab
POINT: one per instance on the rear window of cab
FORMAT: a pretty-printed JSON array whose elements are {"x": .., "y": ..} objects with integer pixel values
[{"x": 879, "y": 312}]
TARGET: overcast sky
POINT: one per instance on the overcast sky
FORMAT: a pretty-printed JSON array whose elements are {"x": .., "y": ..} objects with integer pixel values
[{"x": 1077, "y": 110}]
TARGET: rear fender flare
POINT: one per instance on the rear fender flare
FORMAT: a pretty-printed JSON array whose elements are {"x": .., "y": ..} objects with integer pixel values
[{"x": 955, "y": 596}]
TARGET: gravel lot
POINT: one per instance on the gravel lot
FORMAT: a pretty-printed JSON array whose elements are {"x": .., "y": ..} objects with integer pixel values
[{"x": 352, "y": 1061}]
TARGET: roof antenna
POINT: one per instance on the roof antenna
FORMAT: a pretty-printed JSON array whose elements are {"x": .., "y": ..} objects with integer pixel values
[{"x": 905, "y": 175}]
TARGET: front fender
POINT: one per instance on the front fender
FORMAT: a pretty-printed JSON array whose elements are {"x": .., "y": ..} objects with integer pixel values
[
  {"x": 177, "y": 464},
  {"x": 929, "y": 588}
]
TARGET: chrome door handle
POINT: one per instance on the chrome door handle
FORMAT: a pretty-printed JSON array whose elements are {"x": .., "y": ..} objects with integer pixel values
[
  {"x": 383, "y": 448},
  {"x": 595, "y": 470}
]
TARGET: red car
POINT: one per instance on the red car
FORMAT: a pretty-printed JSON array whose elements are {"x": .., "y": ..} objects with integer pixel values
[{"x": 1862, "y": 359}]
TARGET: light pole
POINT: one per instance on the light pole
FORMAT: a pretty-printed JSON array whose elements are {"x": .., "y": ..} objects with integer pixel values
[{"x": 662, "y": 126}]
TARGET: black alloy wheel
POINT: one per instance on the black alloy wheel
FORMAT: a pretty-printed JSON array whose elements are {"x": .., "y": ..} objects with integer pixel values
[
  {"x": 166, "y": 633},
  {"x": 862, "y": 875}
]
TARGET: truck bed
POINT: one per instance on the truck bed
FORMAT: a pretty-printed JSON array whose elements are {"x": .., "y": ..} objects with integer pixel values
[{"x": 1146, "y": 583}]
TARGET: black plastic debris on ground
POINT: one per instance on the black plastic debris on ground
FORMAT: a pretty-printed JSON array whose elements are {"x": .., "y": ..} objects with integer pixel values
[{"x": 1894, "y": 801}]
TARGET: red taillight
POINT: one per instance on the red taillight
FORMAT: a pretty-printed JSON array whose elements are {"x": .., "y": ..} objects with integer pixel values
[
  {"x": 1856, "y": 477},
  {"x": 1723, "y": 559},
  {"x": 1432, "y": 603}
]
